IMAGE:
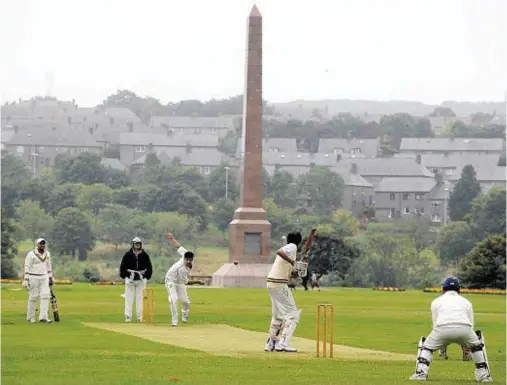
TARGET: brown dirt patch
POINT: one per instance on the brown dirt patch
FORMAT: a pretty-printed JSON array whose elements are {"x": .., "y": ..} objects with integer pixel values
[{"x": 224, "y": 340}]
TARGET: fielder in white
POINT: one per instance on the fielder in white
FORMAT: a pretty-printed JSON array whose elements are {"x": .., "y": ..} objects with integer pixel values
[
  {"x": 453, "y": 322},
  {"x": 176, "y": 280},
  {"x": 136, "y": 270},
  {"x": 284, "y": 313},
  {"x": 38, "y": 276}
]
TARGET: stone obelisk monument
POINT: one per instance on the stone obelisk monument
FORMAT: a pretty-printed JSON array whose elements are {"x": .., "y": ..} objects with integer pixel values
[{"x": 250, "y": 231}]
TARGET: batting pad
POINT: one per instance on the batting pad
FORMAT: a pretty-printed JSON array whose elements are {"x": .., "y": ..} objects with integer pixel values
[{"x": 225, "y": 340}]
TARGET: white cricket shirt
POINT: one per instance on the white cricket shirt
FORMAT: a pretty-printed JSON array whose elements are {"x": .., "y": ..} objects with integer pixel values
[
  {"x": 451, "y": 308},
  {"x": 281, "y": 270},
  {"x": 38, "y": 264},
  {"x": 178, "y": 273}
]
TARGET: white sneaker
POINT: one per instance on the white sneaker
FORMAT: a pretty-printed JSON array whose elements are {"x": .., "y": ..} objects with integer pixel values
[
  {"x": 128, "y": 319},
  {"x": 481, "y": 375},
  {"x": 270, "y": 345},
  {"x": 31, "y": 320},
  {"x": 45, "y": 321},
  {"x": 285, "y": 348},
  {"x": 174, "y": 324},
  {"x": 418, "y": 377},
  {"x": 184, "y": 319}
]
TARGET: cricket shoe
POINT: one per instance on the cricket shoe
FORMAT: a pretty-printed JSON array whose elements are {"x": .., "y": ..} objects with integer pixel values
[
  {"x": 285, "y": 348},
  {"x": 443, "y": 353},
  {"x": 45, "y": 321},
  {"x": 32, "y": 320},
  {"x": 184, "y": 319},
  {"x": 270, "y": 345},
  {"x": 482, "y": 375},
  {"x": 128, "y": 319},
  {"x": 174, "y": 324},
  {"x": 418, "y": 377}
]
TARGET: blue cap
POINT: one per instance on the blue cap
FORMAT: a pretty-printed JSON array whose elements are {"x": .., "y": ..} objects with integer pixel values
[{"x": 451, "y": 283}]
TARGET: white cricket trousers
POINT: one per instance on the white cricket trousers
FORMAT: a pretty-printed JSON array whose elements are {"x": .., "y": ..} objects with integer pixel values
[
  {"x": 177, "y": 292},
  {"x": 282, "y": 303},
  {"x": 442, "y": 336},
  {"x": 38, "y": 286},
  {"x": 134, "y": 289}
]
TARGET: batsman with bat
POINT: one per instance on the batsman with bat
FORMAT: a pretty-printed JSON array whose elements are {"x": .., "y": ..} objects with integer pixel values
[
  {"x": 136, "y": 270},
  {"x": 284, "y": 313},
  {"x": 453, "y": 322},
  {"x": 38, "y": 277}
]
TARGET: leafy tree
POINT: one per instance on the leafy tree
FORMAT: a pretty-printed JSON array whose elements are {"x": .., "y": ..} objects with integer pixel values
[
  {"x": 162, "y": 223},
  {"x": 443, "y": 111},
  {"x": 283, "y": 189},
  {"x": 463, "y": 194},
  {"x": 94, "y": 198},
  {"x": 342, "y": 224},
  {"x": 126, "y": 196},
  {"x": 487, "y": 214},
  {"x": 454, "y": 241},
  {"x": 116, "y": 225},
  {"x": 116, "y": 178},
  {"x": 72, "y": 232},
  {"x": 63, "y": 196},
  {"x": 15, "y": 178},
  {"x": 325, "y": 189},
  {"x": 484, "y": 265},
  {"x": 149, "y": 197},
  {"x": 85, "y": 168},
  {"x": 9, "y": 250},
  {"x": 328, "y": 254},
  {"x": 281, "y": 219},
  {"x": 222, "y": 214},
  {"x": 425, "y": 272},
  {"x": 216, "y": 187},
  {"x": 39, "y": 189},
  {"x": 34, "y": 221}
]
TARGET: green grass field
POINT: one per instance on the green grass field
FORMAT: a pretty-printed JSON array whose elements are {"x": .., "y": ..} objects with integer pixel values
[{"x": 73, "y": 353}]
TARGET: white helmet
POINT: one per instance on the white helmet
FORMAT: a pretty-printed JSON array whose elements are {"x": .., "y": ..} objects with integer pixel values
[{"x": 137, "y": 240}]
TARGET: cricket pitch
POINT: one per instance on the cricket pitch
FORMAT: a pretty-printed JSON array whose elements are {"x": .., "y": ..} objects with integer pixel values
[{"x": 224, "y": 340}]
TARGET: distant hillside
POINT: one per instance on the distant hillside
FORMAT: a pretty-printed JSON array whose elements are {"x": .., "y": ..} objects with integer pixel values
[{"x": 372, "y": 107}]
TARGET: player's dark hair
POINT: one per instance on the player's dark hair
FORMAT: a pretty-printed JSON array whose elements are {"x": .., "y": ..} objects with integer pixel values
[
  {"x": 189, "y": 255},
  {"x": 295, "y": 238}
]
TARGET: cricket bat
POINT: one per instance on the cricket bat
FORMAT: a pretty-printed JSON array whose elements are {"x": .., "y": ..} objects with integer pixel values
[
  {"x": 54, "y": 306},
  {"x": 308, "y": 244}
]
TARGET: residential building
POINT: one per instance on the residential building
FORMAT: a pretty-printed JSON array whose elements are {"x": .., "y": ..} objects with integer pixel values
[
  {"x": 452, "y": 146},
  {"x": 134, "y": 145},
  {"x": 194, "y": 125},
  {"x": 399, "y": 196},
  {"x": 350, "y": 147},
  {"x": 487, "y": 177},
  {"x": 277, "y": 145},
  {"x": 40, "y": 148},
  {"x": 358, "y": 192}
]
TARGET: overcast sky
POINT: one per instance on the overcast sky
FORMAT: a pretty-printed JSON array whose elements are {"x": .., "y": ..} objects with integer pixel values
[{"x": 427, "y": 50}]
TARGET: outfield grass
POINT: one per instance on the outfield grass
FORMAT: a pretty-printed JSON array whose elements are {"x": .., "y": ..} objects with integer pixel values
[{"x": 71, "y": 353}]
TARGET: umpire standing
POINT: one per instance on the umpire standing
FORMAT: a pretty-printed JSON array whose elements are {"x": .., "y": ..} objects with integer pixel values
[{"x": 136, "y": 270}]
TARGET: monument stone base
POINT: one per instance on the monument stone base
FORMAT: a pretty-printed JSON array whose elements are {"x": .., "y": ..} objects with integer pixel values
[{"x": 251, "y": 275}]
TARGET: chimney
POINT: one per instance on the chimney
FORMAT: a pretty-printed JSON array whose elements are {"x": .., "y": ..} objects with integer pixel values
[
  {"x": 353, "y": 168},
  {"x": 439, "y": 178},
  {"x": 130, "y": 126},
  {"x": 69, "y": 120},
  {"x": 418, "y": 158},
  {"x": 150, "y": 147},
  {"x": 338, "y": 157}
]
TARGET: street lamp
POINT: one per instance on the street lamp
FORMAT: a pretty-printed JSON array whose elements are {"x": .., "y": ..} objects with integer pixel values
[
  {"x": 34, "y": 157},
  {"x": 446, "y": 191},
  {"x": 226, "y": 181}
]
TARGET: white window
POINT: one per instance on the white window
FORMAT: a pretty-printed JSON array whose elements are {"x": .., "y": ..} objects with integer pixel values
[
  {"x": 275, "y": 149},
  {"x": 419, "y": 197},
  {"x": 435, "y": 218},
  {"x": 354, "y": 151},
  {"x": 198, "y": 130},
  {"x": 435, "y": 205},
  {"x": 20, "y": 149},
  {"x": 407, "y": 210},
  {"x": 140, "y": 149},
  {"x": 338, "y": 150},
  {"x": 391, "y": 213},
  {"x": 205, "y": 170},
  {"x": 448, "y": 171}
]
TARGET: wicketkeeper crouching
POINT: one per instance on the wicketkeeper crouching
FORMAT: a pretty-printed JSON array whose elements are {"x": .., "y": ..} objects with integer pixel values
[
  {"x": 453, "y": 322},
  {"x": 136, "y": 270}
]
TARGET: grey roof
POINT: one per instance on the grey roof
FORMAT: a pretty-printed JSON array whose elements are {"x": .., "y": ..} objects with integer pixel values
[
  {"x": 387, "y": 167},
  {"x": 113, "y": 163},
  {"x": 209, "y": 157},
  {"x": 54, "y": 138},
  {"x": 171, "y": 140},
  {"x": 453, "y": 161},
  {"x": 438, "y": 193},
  {"x": 350, "y": 178},
  {"x": 485, "y": 174},
  {"x": 6, "y": 135},
  {"x": 396, "y": 184},
  {"x": 227, "y": 121},
  {"x": 285, "y": 145},
  {"x": 368, "y": 147},
  {"x": 298, "y": 159},
  {"x": 451, "y": 144}
]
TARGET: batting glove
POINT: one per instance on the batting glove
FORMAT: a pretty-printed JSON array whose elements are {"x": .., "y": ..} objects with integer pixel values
[
  {"x": 24, "y": 284},
  {"x": 51, "y": 281}
]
